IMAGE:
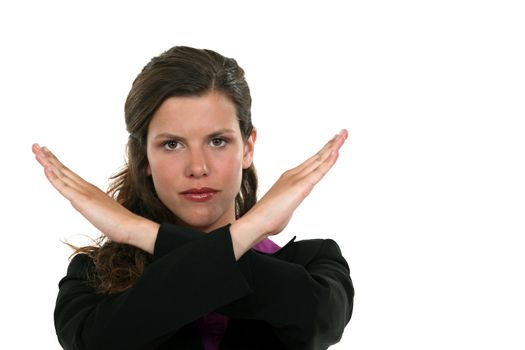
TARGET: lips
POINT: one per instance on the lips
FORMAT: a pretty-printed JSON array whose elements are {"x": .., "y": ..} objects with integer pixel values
[{"x": 199, "y": 194}]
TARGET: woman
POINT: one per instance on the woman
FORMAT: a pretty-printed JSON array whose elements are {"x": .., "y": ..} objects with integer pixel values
[{"x": 187, "y": 263}]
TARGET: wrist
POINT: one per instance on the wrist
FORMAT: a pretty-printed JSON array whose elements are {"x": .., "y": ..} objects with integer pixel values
[
  {"x": 245, "y": 233},
  {"x": 143, "y": 234}
]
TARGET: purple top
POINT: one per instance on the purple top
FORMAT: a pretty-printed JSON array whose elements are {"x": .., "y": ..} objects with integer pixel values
[{"x": 213, "y": 326}]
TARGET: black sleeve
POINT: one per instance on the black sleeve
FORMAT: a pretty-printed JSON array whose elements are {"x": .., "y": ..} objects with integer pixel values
[
  {"x": 304, "y": 292},
  {"x": 188, "y": 278}
]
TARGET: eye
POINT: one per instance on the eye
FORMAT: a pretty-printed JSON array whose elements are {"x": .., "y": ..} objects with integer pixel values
[
  {"x": 171, "y": 145},
  {"x": 218, "y": 142}
]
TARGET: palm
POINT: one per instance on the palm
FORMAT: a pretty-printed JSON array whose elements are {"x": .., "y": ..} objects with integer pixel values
[
  {"x": 96, "y": 206},
  {"x": 276, "y": 207}
]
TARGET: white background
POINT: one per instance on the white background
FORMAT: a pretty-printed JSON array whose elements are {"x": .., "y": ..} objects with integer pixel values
[{"x": 427, "y": 200}]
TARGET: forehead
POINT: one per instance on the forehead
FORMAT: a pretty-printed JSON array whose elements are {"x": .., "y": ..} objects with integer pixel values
[{"x": 194, "y": 114}]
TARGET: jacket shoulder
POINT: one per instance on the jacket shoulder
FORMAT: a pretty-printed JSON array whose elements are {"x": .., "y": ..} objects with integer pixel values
[
  {"x": 304, "y": 251},
  {"x": 80, "y": 267}
]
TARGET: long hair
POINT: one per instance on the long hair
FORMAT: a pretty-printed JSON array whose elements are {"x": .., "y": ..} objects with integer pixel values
[{"x": 179, "y": 71}]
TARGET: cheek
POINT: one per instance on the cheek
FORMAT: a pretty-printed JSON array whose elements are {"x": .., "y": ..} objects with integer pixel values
[
  {"x": 162, "y": 173},
  {"x": 231, "y": 170},
  {"x": 235, "y": 172}
]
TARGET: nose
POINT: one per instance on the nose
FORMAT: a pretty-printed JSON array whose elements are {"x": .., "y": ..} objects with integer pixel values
[{"x": 197, "y": 165}]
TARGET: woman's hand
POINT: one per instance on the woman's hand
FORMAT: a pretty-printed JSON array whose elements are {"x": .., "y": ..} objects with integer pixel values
[
  {"x": 273, "y": 211},
  {"x": 110, "y": 217}
]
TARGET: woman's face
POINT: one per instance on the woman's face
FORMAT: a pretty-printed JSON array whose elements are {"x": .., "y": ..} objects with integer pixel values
[{"x": 196, "y": 155}]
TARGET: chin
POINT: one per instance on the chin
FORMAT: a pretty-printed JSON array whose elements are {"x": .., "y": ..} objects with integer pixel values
[
  {"x": 204, "y": 218},
  {"x": 200, "y": 223}
]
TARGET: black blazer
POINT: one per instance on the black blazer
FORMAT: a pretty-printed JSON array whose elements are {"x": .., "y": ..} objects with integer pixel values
[{"x": 300, "y": 297}]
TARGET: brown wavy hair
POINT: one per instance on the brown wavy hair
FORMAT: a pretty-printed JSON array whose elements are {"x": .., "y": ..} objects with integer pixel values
[{"x": 179, "y": 71}]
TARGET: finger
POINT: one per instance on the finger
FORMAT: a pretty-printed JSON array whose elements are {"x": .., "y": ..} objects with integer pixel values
[
  {"x": 43, "y": 155},
  {"x": 53, "y": 160},
  {"x": 60, "y": 170},
  {"x": 318, "y": 173},
  {"x": 35, "y": 147},
  {"x": 59, "y": 175},
  {"x": 67, "y": 187},
  {"x": 333, "y": 145},
  {"x": 39, "y": 155},
  {"x": 325, "y": 154},
  {"x": 59, "y": 184},
  {"x": 343, "y": 136},
  {"x": 315, "y": 158}
]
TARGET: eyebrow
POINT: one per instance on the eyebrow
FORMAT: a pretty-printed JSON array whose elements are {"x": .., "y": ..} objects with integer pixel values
[{"x": 168, "y": 135}]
